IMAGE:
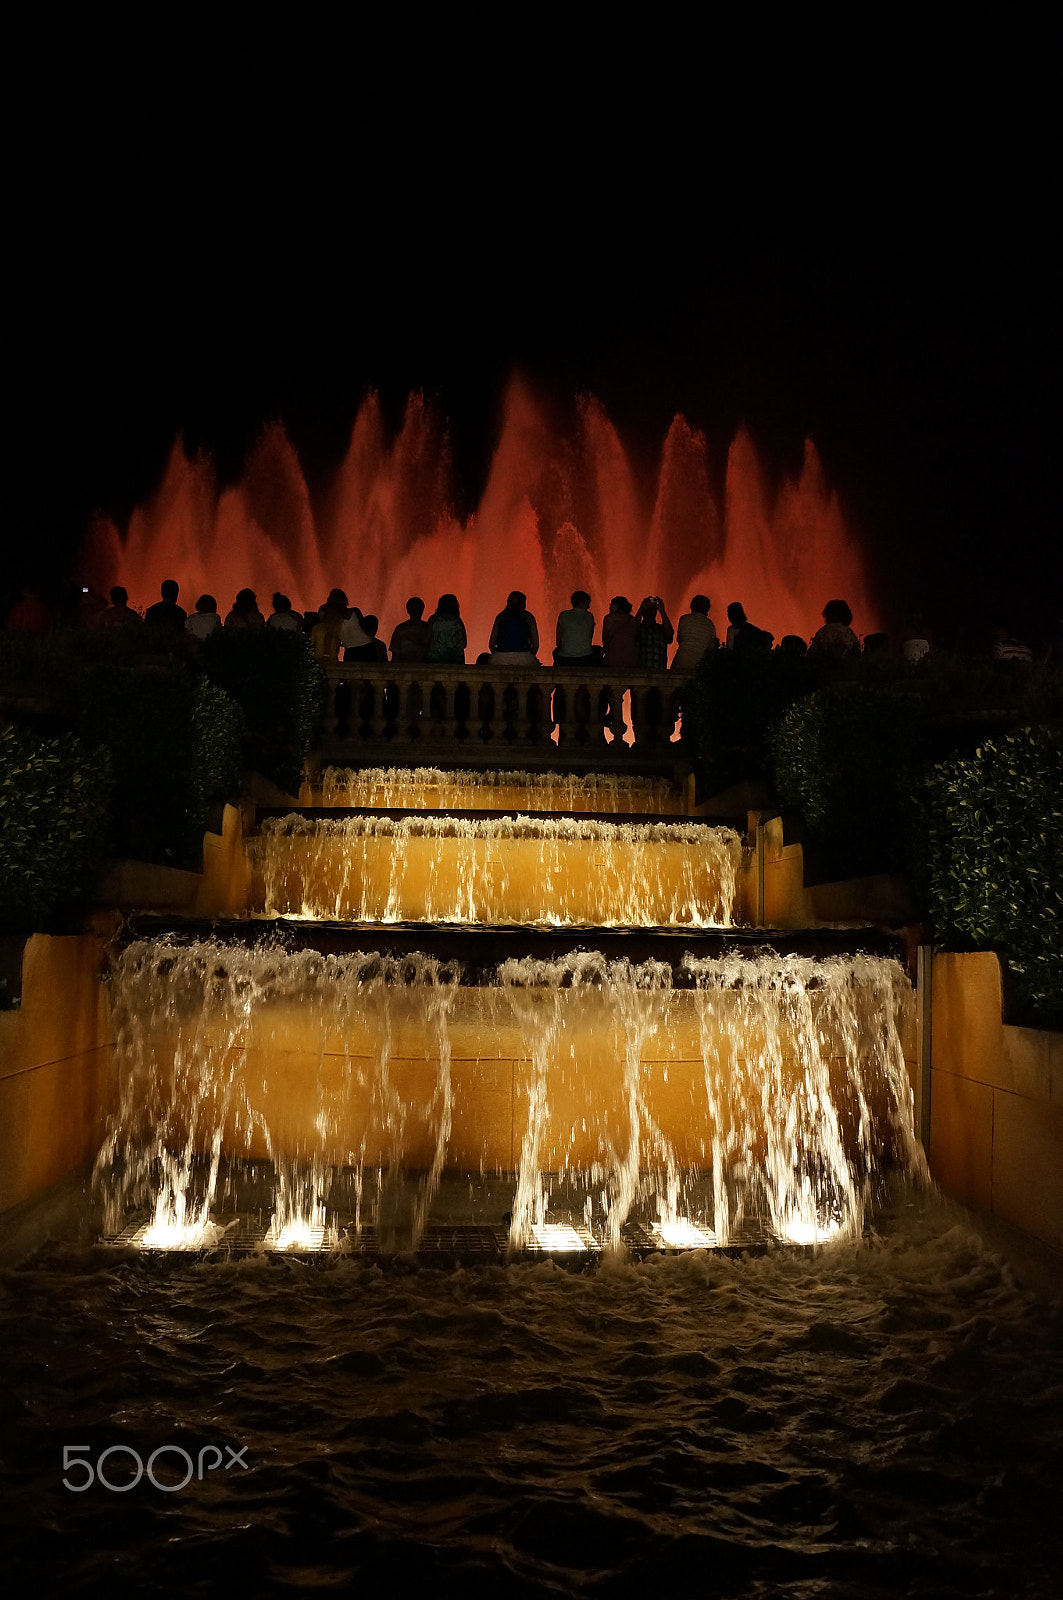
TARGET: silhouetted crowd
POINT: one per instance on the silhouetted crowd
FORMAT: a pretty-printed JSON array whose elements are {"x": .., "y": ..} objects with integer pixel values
[{"x": 636, "y": 641}]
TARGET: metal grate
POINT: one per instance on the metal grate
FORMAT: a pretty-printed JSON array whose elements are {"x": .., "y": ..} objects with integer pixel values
[{"x": 572, "y": 1243}]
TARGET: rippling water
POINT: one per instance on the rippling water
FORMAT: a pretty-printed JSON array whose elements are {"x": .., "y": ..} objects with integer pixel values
[{"x": 867, "y": 1421}]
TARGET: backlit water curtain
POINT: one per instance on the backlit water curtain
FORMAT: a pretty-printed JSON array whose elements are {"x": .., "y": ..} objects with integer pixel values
[
  {"x": 567, "y": 508},
  {"x": 732, "y": 1088},
  {"x": 525, "y": 869}
]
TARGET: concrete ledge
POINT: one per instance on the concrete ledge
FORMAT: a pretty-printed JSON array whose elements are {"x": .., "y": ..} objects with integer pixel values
[
  {"x": 145, "y": 885},
  {"x": 996, "y": 1121},
  {"x": 881, "y": 898},
  {"x": 55, "y": 1067},
  {"x": 65, "y": 1210}
]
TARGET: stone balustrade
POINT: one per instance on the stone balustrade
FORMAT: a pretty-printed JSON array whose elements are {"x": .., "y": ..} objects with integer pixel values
[{"x": 419, "y": 711}]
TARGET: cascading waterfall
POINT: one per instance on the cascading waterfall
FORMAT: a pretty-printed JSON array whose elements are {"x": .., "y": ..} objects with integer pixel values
[
  {"x": 775, "y": 1086},
  {"x": 525, "y": 869},
  {"x": 430, "y": 788},
  {"x": 791, "y": 1081}
]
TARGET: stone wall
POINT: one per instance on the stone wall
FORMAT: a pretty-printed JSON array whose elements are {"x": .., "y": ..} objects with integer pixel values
[
  {"x": 996, "y": 1109},
  {"x": 55, "y": 1056}
]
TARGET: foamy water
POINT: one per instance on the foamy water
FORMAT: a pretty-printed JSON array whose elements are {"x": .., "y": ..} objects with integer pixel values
[
  {"x": 871, "y": 1420},
  {"x": 781, "y": 1076},
  {"x": 527, "y": 869},
  {"x": 463, "y": 789}
]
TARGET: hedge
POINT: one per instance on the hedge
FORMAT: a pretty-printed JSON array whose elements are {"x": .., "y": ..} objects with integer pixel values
[
  {"x": 54, "y": 796},
  {"x": 990, "y": 860},
  {"x": 729, "y": 704},
  {"x": 175, "y": 744},
  {"x": 280, "y": 686},
  {"x": 846, "y": 759}
]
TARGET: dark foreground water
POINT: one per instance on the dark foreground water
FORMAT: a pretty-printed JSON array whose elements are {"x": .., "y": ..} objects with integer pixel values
[{"x": 876, "y": 1421}]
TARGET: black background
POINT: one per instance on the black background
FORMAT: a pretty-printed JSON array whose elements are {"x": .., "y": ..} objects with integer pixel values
[{"x": 842, "y": 224}]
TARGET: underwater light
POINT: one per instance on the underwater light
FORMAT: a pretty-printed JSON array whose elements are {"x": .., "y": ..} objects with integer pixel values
[
  {"x": 683, "y": 1234},
  {"x": 805, "y": 1230},
  {"x": 177, "y": 1236},
  {"x": 556, "y": 1236},
  {"x": 295, "y": 1236}
]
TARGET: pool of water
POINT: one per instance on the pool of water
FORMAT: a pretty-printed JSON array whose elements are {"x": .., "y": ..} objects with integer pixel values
[{"x": 878, "y": 1419}]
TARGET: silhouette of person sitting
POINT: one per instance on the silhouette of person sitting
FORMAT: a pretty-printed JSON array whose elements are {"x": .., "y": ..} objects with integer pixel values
[
  {"x": 742, "y": 635},
  {"x": 620, "y": 632},
  {"x": 120, "y": 614},
  {"x": 836, "y": 638},
  {"x": 654, "y": 636},
  {"x": 284, "y": 619},
  {"x": 695, "y": 634},
  {"x": 205, "y": 619},
  {"x": 166, "y": 613},
  {"x": 373, "y": 649},
  {"x": 575, "y": 633},
  {"x": 245, "y": 613},
  {"x": 325, "y": 634},
  {"x": 409, "y": 642},
  {"x": 514, "y": 640},
  {"x": 447, "y": 637}
]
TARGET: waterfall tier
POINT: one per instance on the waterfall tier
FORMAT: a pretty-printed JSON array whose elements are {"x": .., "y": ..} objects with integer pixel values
[
  {"x": 519, "y": 869},
  {"x": 779, "y": 1081}
]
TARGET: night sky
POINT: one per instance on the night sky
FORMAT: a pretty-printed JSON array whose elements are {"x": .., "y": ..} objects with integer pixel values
[{"x": 843, "y": 228}]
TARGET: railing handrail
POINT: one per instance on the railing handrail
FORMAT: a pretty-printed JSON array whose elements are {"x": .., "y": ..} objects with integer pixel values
[
  {"x": 575, "y": 716},
  {"x": 445, "y": 671}
]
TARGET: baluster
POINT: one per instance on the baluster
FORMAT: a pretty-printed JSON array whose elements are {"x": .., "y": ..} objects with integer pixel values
[
  {"x": 450, "y": 695},
  {"x": 534, "y": 712},
  {"x": 485, "y": 710},
  {"x": 563, "y": 717},
  {"x": 437, "y": 706},
  {"x": 380, "y": 716},
  {"x": 414, "y": 709},
  {"x": 510, "y": 706},
  {"x": 582, "y": 730}
]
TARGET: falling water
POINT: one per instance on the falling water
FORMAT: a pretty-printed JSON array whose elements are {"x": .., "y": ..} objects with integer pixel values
[
  {"x": 498, "y": 870},
  {"x": 791, "y": 1078},
  {"x": 429, "y": 788},
  {"x": 781, "y": 1081},
  {"x": 567, "y": 508}
]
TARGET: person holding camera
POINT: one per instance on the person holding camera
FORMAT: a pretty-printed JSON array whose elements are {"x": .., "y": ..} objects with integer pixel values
[{"x": 654, "y": 636}]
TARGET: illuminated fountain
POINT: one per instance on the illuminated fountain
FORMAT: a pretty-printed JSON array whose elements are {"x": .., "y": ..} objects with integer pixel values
[
  {"x": 702, "y": 1094},
  {"x": 567, "y": 508},
  {"x": 696, "y": 1095},
  {"x": 527, "y": 869},
  {"x": 430, "y": 789}
]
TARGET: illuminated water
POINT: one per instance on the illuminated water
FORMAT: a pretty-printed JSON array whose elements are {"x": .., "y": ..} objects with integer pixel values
[
  {"x": 427, "y": 788},
  {"x": 566, "y": 506},
  {"x": 779, "y": 1082},
  {"x": 527, "y": 869},
  {"x": 863, "y": 1422}
]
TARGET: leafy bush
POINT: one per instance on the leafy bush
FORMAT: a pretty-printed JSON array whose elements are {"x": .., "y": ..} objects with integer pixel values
[
  {"x": 991, "y": 849},
  {"x": 175, "y": 748},
  {"x": 845, "y": 758},
  {"x": 53, "y": 822},
  {"x": 280, "y": 686},
  {"x": 729, "y": 704},
  {"x": 217, "y": 742}
]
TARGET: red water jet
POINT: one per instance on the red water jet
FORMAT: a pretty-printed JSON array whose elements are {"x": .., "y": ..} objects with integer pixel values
[{"x": 558, "y": 513}]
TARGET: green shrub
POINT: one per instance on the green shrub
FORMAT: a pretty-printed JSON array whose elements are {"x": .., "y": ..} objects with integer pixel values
[
  {"x": 845, "y": 759},
  {"x": 53, "y": 822},
  {"x": 274, "y": 677},
  {"x": 729, "y": 704},
  {"x": 217, "y": 749},
  {"x": 991, "y": 860},
  {"x": 175, "y": 747}
]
